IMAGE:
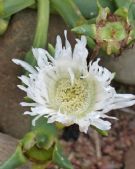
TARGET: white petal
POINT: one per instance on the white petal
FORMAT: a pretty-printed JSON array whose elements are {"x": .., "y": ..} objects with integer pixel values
[
  {"x": 40, "y": 55},
  {"x": 25, "y": 65},
  {"x": 28, "y": 104},
  {"x": 126, "y": 96},
  {"x": 24, "y": 79},
  {"x": 101, "y": 124},
  {"x": 22, "y": 88},
  {"x": 119, "y": 105},
  {"x": 58, "y": 47},
  {"x": 83, "y": 125},
  {"x": 30, "y": 113},
  {"x": 49, "y": 56},
  {"x": 68, "y": 46},
  {"x": 109, "y": 117},
  {"x": 63, "y": 54},
  {"x": 80, "y": 52},
  {"x": 102, "y": 74},
  {"x": 72, "y": 76}
]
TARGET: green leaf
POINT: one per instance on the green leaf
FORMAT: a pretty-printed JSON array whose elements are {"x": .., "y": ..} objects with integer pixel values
[
  {"x": 131, "y": 38},
  {"x": 28, "y": 100},
  {"x": 89, "y": 7},
  {"x": 60, "y": 159},
  {"x": 28, "y": 141},
  {"x": 69, "y": 11},
  {"x": 90, "y": 42},
  {"x": 88, "y": 30},
  {"x": 10, "y": 7},
  {"x": 123, "y": 3},
  {"x": 131, "y": 14},
  {"x": 122, "y": 12},
  {"x": 103, "y": 12}
]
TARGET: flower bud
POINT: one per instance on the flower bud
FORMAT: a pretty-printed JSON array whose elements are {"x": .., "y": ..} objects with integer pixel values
[{"x": 111, "y": 32}]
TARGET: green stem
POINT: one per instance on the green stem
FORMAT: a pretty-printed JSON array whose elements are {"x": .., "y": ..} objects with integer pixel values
[
  {"x": 40, "y": 38},
  {"x": 16, "y": 160},
  {"x": 41, "y": 33},
  {"x": 69, "y": 12},
  {"x": 9, "y": 7}
]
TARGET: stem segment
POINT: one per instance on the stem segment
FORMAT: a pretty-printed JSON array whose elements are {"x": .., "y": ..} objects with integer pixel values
[
  {"x": 16, "y": 160},
  {"x": 97, "y": 144},
  {"x": 40, "y": 38}
]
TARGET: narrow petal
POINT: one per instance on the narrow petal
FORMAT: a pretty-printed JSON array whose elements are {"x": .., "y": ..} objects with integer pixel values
[
  {"x": 22, "y": 88},
  {"x": 25, "y": 65},
  {"x": 101, "y": 73},
  {"x": 58, "y": 47},
  {"x": 40, "y": 55},
  {"x": 101, "y": 124},
  {"x": 24, "y": 104},
  {"x": 67, "y": 46},
  {"x": 119, "y": 105},
  {"x": 29, "y": 113},
  {"x": 126, "y": 96},
  {"x": 83, "y": 125},
  {"x": 72, "y": 76},
  {"x": 24, "y": 79},
  {"x": 80, "y": 52}
]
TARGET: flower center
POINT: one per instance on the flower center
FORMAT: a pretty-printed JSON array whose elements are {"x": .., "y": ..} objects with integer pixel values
[{"x": 73, "y": 99}]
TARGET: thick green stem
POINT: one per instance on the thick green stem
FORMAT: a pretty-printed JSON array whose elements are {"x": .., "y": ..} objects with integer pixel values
[
  {"x": 69, "y": 12},
  {"x": 16, "y": 160},
  {"x": 40, "y": 38},
  {"x": 9, "y": 7},
  {"x": 41, "y": 33}
]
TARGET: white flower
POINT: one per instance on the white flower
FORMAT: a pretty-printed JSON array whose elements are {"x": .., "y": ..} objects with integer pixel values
[{"x": 64, "y": 89}]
